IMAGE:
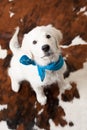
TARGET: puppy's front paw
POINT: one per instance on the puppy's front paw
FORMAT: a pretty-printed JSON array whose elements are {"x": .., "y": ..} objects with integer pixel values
[
  {"x": 15, "y": 87},
  {"x": 68, "y": 86},
  {"x": 42, "y": 99}
]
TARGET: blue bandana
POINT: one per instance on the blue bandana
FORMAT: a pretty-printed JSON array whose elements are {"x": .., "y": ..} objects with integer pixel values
[{"x": 53, "y": 66}]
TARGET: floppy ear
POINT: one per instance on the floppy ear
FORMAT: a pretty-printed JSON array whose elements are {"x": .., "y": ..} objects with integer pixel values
[{"x": 58, "y": 36}]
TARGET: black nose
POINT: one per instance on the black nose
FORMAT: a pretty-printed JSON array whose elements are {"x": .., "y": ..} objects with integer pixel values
[{"x": 45, "y": 48}]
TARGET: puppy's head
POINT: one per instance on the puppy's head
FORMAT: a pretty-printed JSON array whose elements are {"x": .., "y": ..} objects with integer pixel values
[{"x": 42, "y": 44}]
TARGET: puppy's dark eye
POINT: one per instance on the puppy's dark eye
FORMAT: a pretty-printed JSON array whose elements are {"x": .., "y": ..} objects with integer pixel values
[
  {"x": 48, "y": 36},
  {"x": 34, "y": 42}
]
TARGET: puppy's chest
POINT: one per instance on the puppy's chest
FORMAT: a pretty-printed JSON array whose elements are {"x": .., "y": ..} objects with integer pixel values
[{"x": 50, "y": 76}]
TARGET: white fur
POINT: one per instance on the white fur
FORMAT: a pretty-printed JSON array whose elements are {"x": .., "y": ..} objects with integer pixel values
[{"x": 19, "y": 72}]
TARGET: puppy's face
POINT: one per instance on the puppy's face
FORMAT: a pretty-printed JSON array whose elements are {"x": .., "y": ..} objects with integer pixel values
[{"x": 42, "y": 44}]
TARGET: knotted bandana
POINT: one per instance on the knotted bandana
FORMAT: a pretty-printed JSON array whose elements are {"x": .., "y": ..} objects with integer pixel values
[{"x": 53, "y": 66}]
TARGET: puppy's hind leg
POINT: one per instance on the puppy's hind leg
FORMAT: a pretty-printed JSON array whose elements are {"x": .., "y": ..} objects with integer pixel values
[
  {"x": 15, "y": 85},
  {"x": 14, "y": 82}
]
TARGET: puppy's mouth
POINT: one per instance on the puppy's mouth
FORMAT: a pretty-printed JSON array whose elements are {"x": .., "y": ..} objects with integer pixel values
[{"x": 48, "y": 54}]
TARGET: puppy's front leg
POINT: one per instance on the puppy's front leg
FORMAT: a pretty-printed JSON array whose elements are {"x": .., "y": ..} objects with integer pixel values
[
  {"x": 63, "y": 85},
  {"x": 41, "y": 98}
]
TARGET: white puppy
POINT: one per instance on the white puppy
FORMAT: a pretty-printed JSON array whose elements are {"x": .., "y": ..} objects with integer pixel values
[{"x": 38, "y": 60}]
